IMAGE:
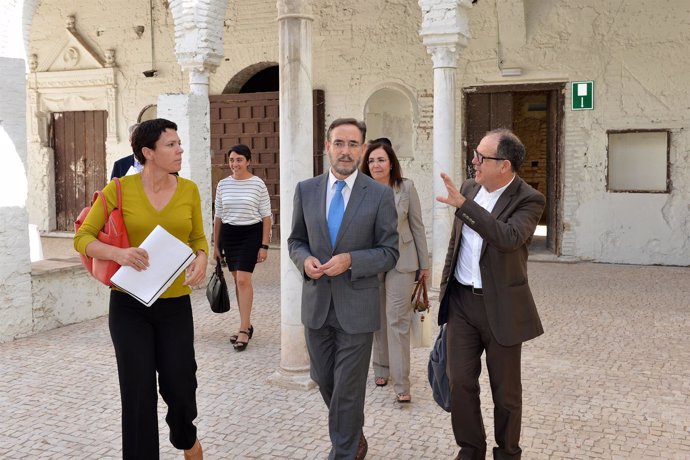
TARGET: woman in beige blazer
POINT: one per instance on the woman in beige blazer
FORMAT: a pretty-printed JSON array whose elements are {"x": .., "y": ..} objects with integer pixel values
[{"x": 391, "y": 354}]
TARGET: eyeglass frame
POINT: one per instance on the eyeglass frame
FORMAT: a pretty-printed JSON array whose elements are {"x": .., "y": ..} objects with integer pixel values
[
  {"x": 479, "y": 157},
  {"x": 342, "y": 145}
]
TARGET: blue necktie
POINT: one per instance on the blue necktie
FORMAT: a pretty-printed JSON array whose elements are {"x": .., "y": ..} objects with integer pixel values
[{"x": 336, "y": 211}]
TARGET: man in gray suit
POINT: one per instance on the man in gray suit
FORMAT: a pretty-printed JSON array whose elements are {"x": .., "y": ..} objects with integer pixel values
[{"x": 344, "y": 232}]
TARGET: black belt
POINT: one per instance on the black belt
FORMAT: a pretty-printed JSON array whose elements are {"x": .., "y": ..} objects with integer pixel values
[{"x": 475, "y": 291}]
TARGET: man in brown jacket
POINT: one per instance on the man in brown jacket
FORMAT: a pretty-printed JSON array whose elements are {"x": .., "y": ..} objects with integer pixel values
[{"x": 485, "y": 297}]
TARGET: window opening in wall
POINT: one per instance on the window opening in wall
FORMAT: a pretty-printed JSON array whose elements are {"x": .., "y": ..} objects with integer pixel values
[{"x": 638, "y": 161}]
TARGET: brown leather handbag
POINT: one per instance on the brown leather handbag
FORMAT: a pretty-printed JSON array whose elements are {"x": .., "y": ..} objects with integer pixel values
[{"x": 420, "y": 297}]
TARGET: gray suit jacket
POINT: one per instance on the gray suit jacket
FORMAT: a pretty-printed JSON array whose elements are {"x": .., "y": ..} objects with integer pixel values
[
  {"x": 414, "y": 254},
  {"x": 507, "y": 232},
  {"x": 368, "y": 232}
]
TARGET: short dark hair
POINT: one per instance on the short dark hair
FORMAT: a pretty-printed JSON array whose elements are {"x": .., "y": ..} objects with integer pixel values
[
  {"x": 241, "y": 149},
  {"x": 509, "y": 147},
  {"x": 382, "y": 140},
  {"x": 347, "y": 121},
  {"x": 396, "y": 171},
  {"x": 147, "y": 134}
]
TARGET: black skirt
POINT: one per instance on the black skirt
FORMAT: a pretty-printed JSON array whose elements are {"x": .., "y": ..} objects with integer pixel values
[{"x": 240, "y": 245}]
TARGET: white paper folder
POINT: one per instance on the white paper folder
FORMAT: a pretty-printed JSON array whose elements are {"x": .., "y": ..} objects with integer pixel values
[{"x": 168, "y": 257}]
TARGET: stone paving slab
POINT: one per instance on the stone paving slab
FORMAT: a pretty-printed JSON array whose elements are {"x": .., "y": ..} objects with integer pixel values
[{"x": 610, "y": 379}]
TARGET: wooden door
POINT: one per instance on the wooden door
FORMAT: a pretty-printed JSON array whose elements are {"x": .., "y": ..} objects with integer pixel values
[
  {"x": 253, "y": 119},
  {"x": 250, "y": 119},
  {"x": 534, "y": 113},
  {"x": 78, "y": 140}
]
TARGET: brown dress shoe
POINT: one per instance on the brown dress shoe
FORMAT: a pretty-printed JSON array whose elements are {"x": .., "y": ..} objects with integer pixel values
[
  {"x": 362, "y": 448},
  {"x": 195, "y": 453}
]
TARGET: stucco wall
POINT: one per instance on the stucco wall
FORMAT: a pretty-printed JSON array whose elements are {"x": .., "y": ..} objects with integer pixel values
[
  {"x": 638, "y": 56},
  {"x": 636, "y": 52},
  {"x": 15, "y": 263},
  {"x": 64, "y": 293}
]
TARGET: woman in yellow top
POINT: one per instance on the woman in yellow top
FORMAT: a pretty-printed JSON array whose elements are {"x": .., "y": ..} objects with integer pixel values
[{"x": 159, "y": 338}]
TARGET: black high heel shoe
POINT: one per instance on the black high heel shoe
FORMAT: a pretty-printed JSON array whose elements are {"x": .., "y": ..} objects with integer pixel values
[
  {"x": 239, "y": 345},
  {"x": 233, "y": 338}
]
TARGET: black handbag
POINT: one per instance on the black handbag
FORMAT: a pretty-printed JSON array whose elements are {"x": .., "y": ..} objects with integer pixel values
[
  {"x": 217, "y": 291},
  {"x": 438, "y": 379}
]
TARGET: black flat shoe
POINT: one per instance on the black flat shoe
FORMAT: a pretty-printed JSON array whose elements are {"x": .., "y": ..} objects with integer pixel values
[
  {"x": 239, "y": 345},
  {"x": 233, "y": 338}
]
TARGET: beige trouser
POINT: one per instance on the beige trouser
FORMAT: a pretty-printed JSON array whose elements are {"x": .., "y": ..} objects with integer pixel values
[{"x": 391, "y": 353}]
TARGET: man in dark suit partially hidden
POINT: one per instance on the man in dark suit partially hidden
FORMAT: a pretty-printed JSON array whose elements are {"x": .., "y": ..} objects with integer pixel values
[
  {"x": 485, "y": 296},
  {"x": 344, "y": 232},
  {"x": 121, "y": 166}
]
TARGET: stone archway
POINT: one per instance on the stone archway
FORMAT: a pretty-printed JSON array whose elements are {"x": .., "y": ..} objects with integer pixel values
[{"x": 236, "y": 83}]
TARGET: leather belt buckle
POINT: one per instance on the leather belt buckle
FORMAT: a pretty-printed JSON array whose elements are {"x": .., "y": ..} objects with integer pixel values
[{"x": 475, "y": 291}]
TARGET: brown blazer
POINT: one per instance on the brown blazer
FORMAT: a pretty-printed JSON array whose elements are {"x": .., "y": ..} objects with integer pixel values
[{"x": 507, "y": 232}]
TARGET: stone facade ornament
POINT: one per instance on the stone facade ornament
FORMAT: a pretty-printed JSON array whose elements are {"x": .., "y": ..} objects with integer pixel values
[
  {"x": 199, "y": 39},
  {"x": 33, "y": 62},
  {"x": 110, "y": 58}
]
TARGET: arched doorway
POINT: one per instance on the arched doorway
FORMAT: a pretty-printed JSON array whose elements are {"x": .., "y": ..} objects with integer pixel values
[
  {"x": 250, "y": 118},
  {"x": 248, "y": 113}
]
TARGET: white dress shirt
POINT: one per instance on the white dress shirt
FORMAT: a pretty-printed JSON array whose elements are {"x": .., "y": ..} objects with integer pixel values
[
  {"x": 347, "y": 189},
  {"x": 467, "y": 269}
]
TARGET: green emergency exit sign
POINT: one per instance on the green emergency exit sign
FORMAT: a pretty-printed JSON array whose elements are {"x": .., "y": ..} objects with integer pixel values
[{"x": 583, "y": 95}]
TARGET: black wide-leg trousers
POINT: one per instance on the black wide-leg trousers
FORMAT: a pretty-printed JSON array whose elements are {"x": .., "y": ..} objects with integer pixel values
[{"x": 149, "y": 340}]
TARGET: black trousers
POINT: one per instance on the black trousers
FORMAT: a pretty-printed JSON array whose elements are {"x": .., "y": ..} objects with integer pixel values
[
  {"x": 149, "y": 340},
  {"x": 340, "y": 364},
  {"x": 468, "y": 337}
]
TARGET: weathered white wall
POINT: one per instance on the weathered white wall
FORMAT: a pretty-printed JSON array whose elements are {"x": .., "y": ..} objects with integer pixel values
[
  {"x": 15, "y": 263},
  {"x": 638, "y": 55},
  {"x": 636, "y": 52},
  {"x": 103, "y": 25},
  {"x": 64, "y": 293}
]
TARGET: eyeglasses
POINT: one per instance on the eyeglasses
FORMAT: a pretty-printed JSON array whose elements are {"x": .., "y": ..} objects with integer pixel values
[
  {"x": 480, "y": 158},
  {"x": 377, "y": 160},
  {"x": 352, "y": 145}
]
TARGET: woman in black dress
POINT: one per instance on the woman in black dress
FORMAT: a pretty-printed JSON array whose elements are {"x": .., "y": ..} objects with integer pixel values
[{"x": 241, "y": 232}]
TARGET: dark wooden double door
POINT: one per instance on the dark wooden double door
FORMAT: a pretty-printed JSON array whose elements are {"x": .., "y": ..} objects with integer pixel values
[{"x": 253, "y": 119}]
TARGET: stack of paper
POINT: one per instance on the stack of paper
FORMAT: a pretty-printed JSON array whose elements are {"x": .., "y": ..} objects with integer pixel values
[{"x": 168, "y": 257}]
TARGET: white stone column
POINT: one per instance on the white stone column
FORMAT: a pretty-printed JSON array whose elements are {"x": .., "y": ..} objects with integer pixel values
[
  {"x": 191, "y": 114},
  {"x": 296, "y": 164},
  {"x": 198, "y": 81},
  {"x": 444, "y": 30},
  {"x": 16, "y": 318},
  {"x": 199, "y": 50}
]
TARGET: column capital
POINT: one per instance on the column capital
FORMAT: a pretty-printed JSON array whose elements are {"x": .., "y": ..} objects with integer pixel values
[
  {"x": 445, "y": 27},
  {"x": 198, "y": 35},
  {"x": 194, "y": 62},
  {"x": 294, "y": 9},
  {"x": 443, "y": 55}
]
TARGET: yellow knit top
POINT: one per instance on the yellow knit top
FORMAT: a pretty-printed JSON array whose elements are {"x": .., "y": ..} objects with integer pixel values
[{"x": 181, "y": 217}]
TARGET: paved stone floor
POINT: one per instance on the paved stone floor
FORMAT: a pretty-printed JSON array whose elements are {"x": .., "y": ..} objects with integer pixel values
[{"x": 610, "y": 379}]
